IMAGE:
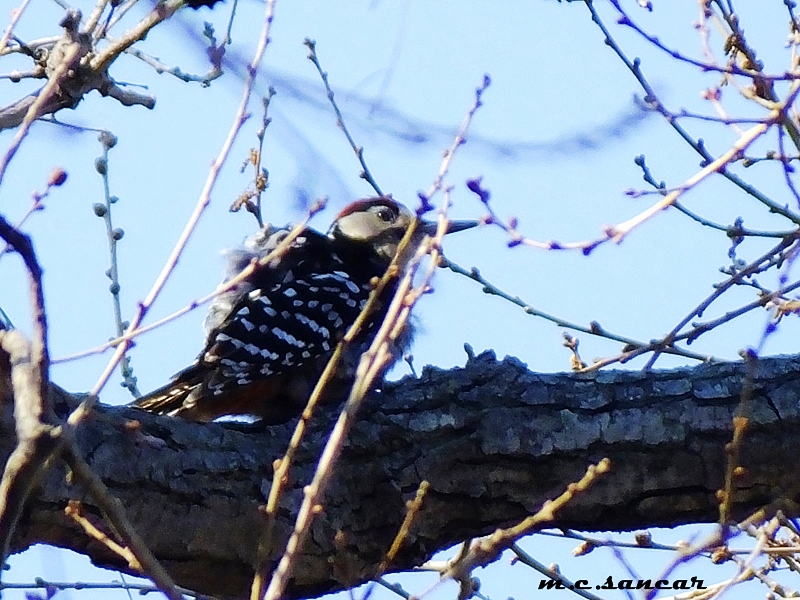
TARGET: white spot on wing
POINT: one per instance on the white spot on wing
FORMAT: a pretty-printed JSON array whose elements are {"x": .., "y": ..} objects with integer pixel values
[
  {"x": 287, "y": 337},
  {"x": 312, "y": 324}
]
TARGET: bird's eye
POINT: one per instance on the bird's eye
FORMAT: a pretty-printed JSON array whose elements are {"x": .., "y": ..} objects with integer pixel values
[{"x": 386, "y": 215}]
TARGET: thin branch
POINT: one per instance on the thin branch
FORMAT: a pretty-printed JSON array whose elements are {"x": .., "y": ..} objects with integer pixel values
[
  {"x": 365, "y": 174},
  {"x": 488, "y": 549},
  {"x": 57, "y": 178},
  {"x": 594, "y": 327},
  {"x": 260, "y": 175},
  {"x": 202, "y": 203},
  {"x": 701, "y": 328},
  {"x": 163, "y": 11},
  {"x": 108, "y": 141},
  {"x": 204, "y": 80},
  {"x": 617, "y": 233},
  {"x": 15, "y": 16},
  {"x": 372, "y": 363},
  {"x": 652, "y": 99},
  {"x": 73, "y": 511},
  {"x": 41, "y": 584},
  {"x": 37, "y": 441},
  {"x": 528, "y": 560},
  {"x": 97, "y": 12},
  {"x": 227, "y": 285},
  {"x": 460, "y": 139},
  {"x": 114, "y": 513},
  {"x": 37, "y": 107},
  {"x": 732, "y": 231},
  {"x": 754, "y": 267},
  {"x": 412, "y": 511},
  {"x": 283, "y": 465}
]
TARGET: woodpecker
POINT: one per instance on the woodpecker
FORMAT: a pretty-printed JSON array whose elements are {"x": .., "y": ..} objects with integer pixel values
[{"x": 269, "y": 339}]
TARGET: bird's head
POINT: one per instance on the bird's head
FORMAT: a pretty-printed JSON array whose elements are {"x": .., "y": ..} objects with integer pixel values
[{"x": 380, "y": 223}]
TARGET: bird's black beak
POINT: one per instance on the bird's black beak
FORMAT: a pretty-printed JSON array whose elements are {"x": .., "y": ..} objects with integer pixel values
[{"x": 430, "y": 227}]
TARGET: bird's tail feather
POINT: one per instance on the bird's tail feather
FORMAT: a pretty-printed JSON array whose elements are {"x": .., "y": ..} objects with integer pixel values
[{"x": 165, "y": 399}]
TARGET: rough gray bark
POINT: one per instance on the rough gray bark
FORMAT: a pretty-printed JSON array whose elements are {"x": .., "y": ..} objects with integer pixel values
[{"x": 493, "y": 439}]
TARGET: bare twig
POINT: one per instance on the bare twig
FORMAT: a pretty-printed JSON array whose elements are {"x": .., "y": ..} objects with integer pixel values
[
  {"x": 37, "y": 440},
  {"x": 42, "y": 584},
  {"x": 617, "y": 233},
  {"x": 769, "y": 258},
  {"x": 487, "y": 549},
  {"x": 116, "y": 517},
  {"x": 395, "y": 588},
  {"x": 72, "y": 56},
  {"x": 260, "y": 175},
  {"x": 652, "y": 100},
  {"x": 103, "y": 59},
  {"x": 94, "y": 16},
  {"x": 227, "y": 285},
  {"x": 108, "y": 141},
  {"x": 534, "y": 564},
  {"x": 737, "y": 230},
  {"x": 283, "y": 465},
  {"x": 412, "y": 511},
  {"x": 460, "y": 138},
  {"x": 594, "y": 328},
  {"x": 365, "y": 174},
  {"x": 202, "y": 203},
  {"x": 73, "y": 511},
  {"x": 372, "y": 363},
  {"x": 57, "y": 178},
  {"x": 15, "y": 16}
]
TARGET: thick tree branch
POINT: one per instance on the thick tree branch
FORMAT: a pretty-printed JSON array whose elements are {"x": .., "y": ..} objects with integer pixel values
[{"x": 493, "y": 439}]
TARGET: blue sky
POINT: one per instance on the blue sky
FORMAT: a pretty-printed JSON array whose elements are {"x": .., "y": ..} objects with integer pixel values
[{"x": 554, "y": 143}]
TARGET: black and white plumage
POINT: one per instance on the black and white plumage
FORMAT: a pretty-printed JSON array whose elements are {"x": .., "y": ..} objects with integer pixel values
[{"x": 269, "y": 339}]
